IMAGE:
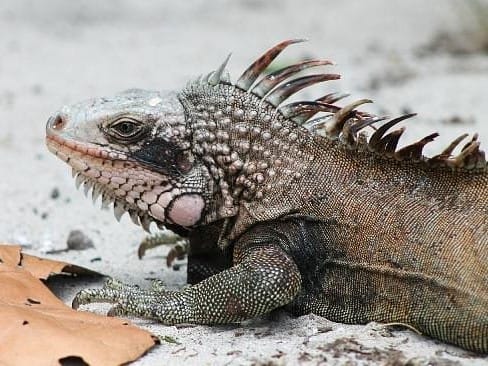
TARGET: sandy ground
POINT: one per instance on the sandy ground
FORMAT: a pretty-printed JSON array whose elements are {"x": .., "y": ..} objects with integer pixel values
[{"x": 55, "y": 52}]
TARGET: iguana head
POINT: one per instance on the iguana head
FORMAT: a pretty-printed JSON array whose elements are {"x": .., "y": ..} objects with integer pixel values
[{"x": 133, "y": 150}]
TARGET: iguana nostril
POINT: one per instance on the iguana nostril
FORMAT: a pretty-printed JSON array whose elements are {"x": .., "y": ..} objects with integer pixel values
[{"x": 57, "y": 122}]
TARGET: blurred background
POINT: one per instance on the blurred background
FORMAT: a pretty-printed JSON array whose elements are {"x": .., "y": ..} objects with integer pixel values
[
  {"x": 423, "y": 56},
  {"x": 430, "y": 57}
]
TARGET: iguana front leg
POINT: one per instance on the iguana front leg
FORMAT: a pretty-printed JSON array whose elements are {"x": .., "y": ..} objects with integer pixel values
[{"x": 263, "y": 278}]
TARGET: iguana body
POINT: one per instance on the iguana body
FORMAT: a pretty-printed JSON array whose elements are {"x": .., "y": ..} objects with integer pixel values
[{"x": 278, "y": 215}]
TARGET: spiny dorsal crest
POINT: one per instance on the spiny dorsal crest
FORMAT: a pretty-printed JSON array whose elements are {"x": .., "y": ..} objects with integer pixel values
[{"x": 342, "y": 124}]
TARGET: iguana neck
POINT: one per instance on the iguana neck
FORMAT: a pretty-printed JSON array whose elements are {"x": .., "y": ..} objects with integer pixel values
[{"x": 250, "y": 149}]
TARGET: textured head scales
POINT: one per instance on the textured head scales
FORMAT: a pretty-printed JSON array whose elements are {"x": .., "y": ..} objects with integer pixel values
[{"x": 133, "y": 150}]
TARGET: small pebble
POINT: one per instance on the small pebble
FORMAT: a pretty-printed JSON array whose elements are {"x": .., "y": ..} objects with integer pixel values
[
  {"x": 55, "y": 193},
  {"x": 77, "y": 240}
]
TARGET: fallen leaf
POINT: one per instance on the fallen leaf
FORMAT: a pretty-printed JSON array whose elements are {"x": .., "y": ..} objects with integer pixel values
[
  {"x": 39, "y": 267},
  {"x": 10, "y": 254},
  {"x": 43, "y": 268},
  {"x": 36, "y": 328}
]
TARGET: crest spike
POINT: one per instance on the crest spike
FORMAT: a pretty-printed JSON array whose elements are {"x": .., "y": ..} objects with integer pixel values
[
  {"x": 447, "y": 152},
  {"x": 283, "y": 91},
  {"x": 341, "y": 116},
  {"x": 332, "y": 98},
  {"x": 377, "y": 142},
  {"x": 267, "y": 83},
  {"x": 470, "y": 157},
  {"x": 217, "y": 75},
  {"x": 300, "y": 112},
  {"x": 391, "y": 141},
  {"x": 258, "y": 66},
  {"x": 352, "y": 127},
  {"x": 413, "y": 152}
]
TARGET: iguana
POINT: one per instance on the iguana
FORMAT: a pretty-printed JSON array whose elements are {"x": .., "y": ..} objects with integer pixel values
[{"x": 287, "y": 204}]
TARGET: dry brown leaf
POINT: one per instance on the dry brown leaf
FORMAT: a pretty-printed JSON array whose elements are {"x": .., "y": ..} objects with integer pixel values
[
  {"x": 36, "y": 328},
  {"x": 10, "y": 254},
  {"x": 43, "y": 268},
  {"x": 39, "y": 267}
]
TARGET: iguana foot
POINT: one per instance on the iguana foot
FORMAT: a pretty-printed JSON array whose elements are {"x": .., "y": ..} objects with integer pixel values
[
  {"x": 128, "y": 299},
  {"x": 178, "y": 251}
]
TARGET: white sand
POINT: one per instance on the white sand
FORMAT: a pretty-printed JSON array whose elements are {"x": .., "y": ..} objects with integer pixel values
[{"x": 56, "y": 51}]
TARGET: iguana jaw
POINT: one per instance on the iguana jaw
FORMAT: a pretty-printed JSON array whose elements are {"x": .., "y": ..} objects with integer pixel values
[{"x": 117, "y": 185}]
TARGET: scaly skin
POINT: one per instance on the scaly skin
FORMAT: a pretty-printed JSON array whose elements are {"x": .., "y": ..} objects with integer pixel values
[{"x": 281, "y": 209}]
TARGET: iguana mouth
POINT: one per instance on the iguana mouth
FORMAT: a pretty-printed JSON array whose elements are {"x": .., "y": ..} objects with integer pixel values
[
  {"x": 87, "y": 160},
  {"x": 85, "y": 149}
]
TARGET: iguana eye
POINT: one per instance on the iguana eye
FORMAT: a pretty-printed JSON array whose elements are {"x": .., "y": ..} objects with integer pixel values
[{"x": 125, "y": 128}]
